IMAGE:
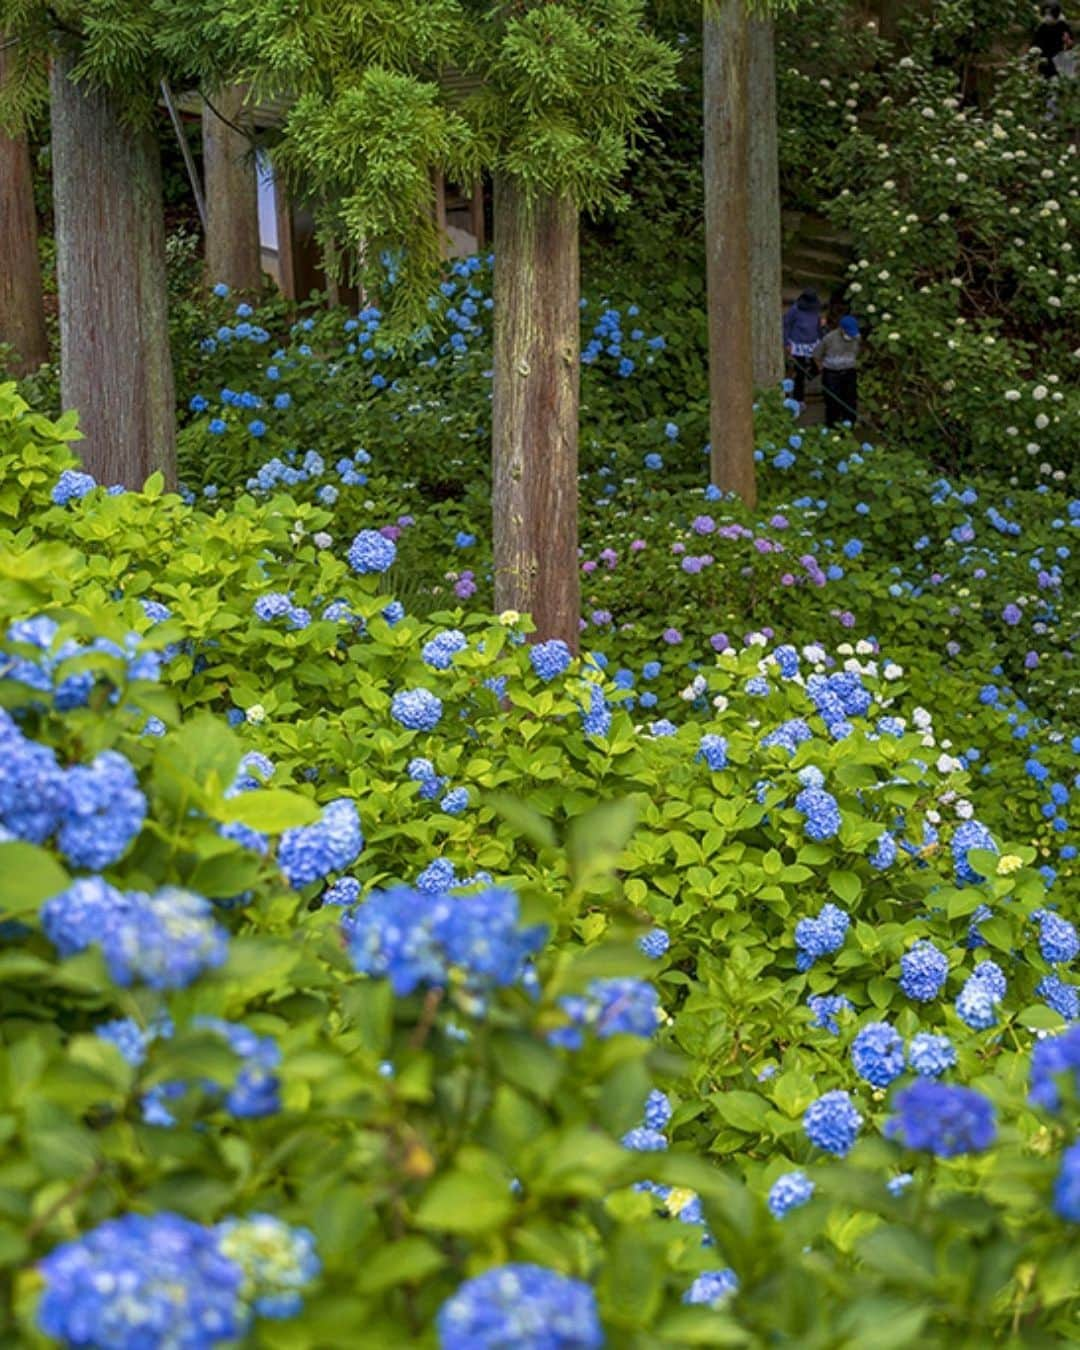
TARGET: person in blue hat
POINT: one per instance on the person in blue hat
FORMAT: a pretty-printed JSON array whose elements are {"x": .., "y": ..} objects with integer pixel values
[{"x": 838, "y": 354}]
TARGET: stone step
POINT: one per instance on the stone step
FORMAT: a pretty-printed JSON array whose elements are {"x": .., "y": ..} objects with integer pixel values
[{"x": 810, "y": 253}]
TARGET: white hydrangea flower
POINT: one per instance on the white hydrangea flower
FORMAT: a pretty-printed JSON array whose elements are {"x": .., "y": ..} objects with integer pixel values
[
  {"x": 964, "y": 809},
  {"x": 322, "y": 539},
  {"x": 922, "y": 718},
  {"x": 892, "y": 671}
]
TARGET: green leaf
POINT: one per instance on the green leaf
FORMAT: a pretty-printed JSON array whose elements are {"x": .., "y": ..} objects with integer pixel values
[
  {"x": 411, "y": 1259},
  {"x": 1038, "y": 1017},
  {"x": 271, "y": 810},
  {"x": 846, "y": 886},
  {"x": 597, "y": 839},
  {"x": 631, "y": 1287},
  {"x": 28, "y": 877},
  {"x": 744, "y": 1111},
  {"x": 466, "y": 1202},
  {"x": 525, "y": 822}
]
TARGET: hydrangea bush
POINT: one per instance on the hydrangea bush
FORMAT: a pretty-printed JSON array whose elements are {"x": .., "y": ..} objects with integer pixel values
[{"x": 684, "y": 1006}]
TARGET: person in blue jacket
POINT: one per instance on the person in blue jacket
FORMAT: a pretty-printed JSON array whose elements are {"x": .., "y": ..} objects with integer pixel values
[{"x": 802, "y": 330}]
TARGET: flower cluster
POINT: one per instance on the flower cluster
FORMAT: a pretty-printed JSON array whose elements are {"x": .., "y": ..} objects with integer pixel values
[
  {"x": 819, "y": 937},
  {"x": 419, "y": 938},
  {"x": 610, "y": 1007},
  {"x": 943, "y": 1119},
  {"x": 832, "y": 1123},
  {"x": 95, "y": 810},
  {"x": 311, "y": 852},
  {"x": 165, "y": 940},
  {"x": 520, "y": 1305},
  {"x": 416, "y": 709}
]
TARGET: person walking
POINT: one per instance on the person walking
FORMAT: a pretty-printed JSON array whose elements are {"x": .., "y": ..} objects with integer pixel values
[
  {"x": 1053, "y": 37},
  {"x": 838, "y": 355},
  {"x": 802, "y": 330}
]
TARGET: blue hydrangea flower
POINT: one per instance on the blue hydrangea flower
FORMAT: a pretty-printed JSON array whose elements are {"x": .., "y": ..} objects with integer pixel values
[
  {"x": 455, "y": 802},
  {"x": 416, "y": 709},
  {"x": 788, "y": 735},
  {"x": 931, "y": 1056},
  {"x": 33, "y": 795},
  {"x": 826, "y": 1009},
  {"x": 657, "y": 1110},
  {"x": 1050, "y": 1057},
  {"x": 789, "y": 1192},
  {"x": 310, "y": 852},
  {"x": 654, "y": 943},
  {"x": 942, "y": 1119},
  {"x": 642, "y": 1139},
  {"x": 423, "y": 939},
  {"x": 1063, "y": 998},
  {"x": 612, "y": 1007},
  {"x": 923, "y": 972},
  {"x": 713, "y": 750},
  {"x": 437, "y": 877},
  {"x": 596, "y": 719},
  {"x": 550, "y": 659},
  {"x": 272, "y": 605},
  {"x": 896, "y": 1186},
  {"x": 71, "y": 486},
  {"x": 976, "y": 1004},
  {"x": 132, "y": 1040},
  {"x": 832, "y": 1123},
  {"x": 820, "y": 936},
  {"x": 524, "y": 1306},
  {"x": 878, "y": 1054},
  {"x": 255, "y": 1091},
  {"x": 1058, "y": 940},
  {"x": 970, "y": 834},
  {"x": 991, "y": 974},
  {"x": 371, "y": 551},
  {"x": 165, "y": 940},
  {"x": 344, "y": 891},
  {"x": 884, "y": 854},
  {"x": 142, "y": 1281},
  {"x": 712, "y": 1287},
  {"x": 1067, "y": 1186},
  {"x": 821, "y": 811},
  {"x": 787, "y": 658},
  {"x": 439, "y": 651},
  {"x": 278, "y": 1262},
  {"x": 103, "y": 811}
]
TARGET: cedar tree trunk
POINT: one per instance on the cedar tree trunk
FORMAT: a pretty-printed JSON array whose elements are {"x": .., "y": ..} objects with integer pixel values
[
  {"x": 535, "y": 410},
  {"x": 232, "y": 194},
  {"x": 727, "y": 249},
  {"x": 765, "y": 230},
  {"x": 22, "y": 309},
  {"x": 115, "y": 364}
]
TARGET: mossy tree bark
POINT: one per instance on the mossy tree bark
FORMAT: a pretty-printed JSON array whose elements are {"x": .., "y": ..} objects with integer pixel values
[
  {"x": 535, "y": 410},
  {"x": 727, "y": 248},
  {"x": 764, "y": 188},
  {"x": 22, "y": 307},
  {"x": 232, "y": 193},
  {"x": 115, "y": 364}
]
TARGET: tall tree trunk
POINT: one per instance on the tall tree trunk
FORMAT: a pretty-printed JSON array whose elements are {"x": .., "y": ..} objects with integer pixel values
[
  {"x": 22, "y": 309},
  {"x": 535, "y": 410},
  {"x": 727, "y": 249},
  {"x": 232, "y": 193},
  {"x": 115, "y": 364},
  {"x": 765, "y": 230},
  {"x": 889, "y": 19}
]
